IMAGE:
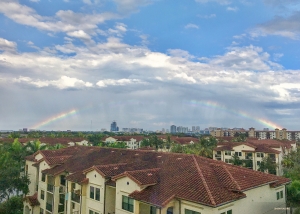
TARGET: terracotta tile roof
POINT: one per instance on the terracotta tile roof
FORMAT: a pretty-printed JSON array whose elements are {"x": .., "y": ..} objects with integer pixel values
[
  {"x": 33, "y": 200},
  {"x": 141, "y": 177},
  {"x": 108, "y": 170},
  {"x": 57, "y": 159},
  {"x": 188, "y": 177},
  {"x": 77, "y": 177},
  {"x": 259, "y": 146}
]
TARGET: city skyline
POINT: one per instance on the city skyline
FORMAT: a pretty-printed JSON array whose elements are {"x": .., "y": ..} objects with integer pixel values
[{"x": 149, "y": 64}]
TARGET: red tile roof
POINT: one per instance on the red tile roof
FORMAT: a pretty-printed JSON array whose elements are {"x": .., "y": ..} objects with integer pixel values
[
  {"x": 141, "y": 177},
  {"x": 182, "y": 176},
  {"x": 33, "y": 200}
]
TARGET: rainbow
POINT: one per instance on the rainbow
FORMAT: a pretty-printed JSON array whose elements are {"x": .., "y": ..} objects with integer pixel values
[
  {"x": 236, "y": 112},
  {"x": 55, "y": 118}
]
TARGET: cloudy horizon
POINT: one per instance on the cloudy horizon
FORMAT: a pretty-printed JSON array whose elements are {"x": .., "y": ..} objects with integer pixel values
[{"x": 149, "y": 64}]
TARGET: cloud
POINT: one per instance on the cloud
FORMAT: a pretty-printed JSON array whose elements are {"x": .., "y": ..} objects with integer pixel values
[
  {"x": 281, "y": 3},
  {"x": 63, "y": 21},
  {"x": 131, "y": 5},
  {"x": 8, "y": 46},
  {"x": 210, "y": 16},
  {"x": 222, "y": 2},
  {"x": 280, "y": 26},
  {"x": 234, "y": 9},
  {"x": 188, "y": 26},
  {"x": 80, "y": 34},
  {"x": 119, "y": 82},
  {"x": 64, "y": 82}
]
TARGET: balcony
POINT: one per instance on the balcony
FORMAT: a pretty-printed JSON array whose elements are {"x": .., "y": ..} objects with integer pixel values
[
  {"x": 50, "y": 188},
  {"x": 75, "y": 197},
  {"x": 49, "y": 207}
]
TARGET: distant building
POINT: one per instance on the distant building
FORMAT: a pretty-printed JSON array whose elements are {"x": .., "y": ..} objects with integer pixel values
[
  {"x": 173, "y": 129},
  {"x": 114, "y": 127}
]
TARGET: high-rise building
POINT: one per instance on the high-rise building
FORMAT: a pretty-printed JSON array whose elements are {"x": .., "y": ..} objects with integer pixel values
[
  {"x": 173, "y": 129},
  {"x": 114, "y": 127}
]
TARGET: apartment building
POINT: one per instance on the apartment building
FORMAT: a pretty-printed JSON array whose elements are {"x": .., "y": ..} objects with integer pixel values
[
  {"x": 282, "y": 134},
  {"x": 94, "y": 180},
  {"x": 132, "y": 142},
  {"x": 255, "y": 150}
]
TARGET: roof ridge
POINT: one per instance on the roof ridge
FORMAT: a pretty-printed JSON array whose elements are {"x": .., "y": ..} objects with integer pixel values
[
  {"x": 204, "y": 181},
  {"x": 231, "y": 177}
]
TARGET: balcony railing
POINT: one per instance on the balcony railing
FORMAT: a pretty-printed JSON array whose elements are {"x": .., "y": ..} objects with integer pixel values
[
  {"x": 49, "y": 207},
  {"x": 75, "y": 197},
  {"x": 50, "y": 188}
]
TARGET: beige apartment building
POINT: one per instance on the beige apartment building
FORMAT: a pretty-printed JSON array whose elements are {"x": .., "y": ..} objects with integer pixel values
[
  {"x": 255, "y": 150},
  {"x": 94, "y": 180},
  {"x": 282, "y": 134}
]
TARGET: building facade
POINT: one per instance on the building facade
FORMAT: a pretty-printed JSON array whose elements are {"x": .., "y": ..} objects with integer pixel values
[
  {"x": 93, "y": 180},
  {"x": 254, "y": 151}
]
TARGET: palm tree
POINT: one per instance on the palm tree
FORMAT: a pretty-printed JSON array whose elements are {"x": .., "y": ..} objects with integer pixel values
[{"x": 35, "y": 146}]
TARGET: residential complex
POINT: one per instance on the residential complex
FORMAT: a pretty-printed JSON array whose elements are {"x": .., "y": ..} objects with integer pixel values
[
  {"x": 260, "y": 134},
  {"x": 94, "y": 180},
  {"x": 255, "y": 151}
]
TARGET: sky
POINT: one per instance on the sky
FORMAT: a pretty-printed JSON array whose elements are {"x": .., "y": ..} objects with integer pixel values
[{"x": 81, "y": 64}]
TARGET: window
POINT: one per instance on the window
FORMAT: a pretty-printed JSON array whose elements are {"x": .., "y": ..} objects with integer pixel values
[
  {"x": 152, "y": 210},
  {"x": 228, "y": 153},
  {"x": 93, "y": 212},
  {"x": 228, "y": 212},
  {"x": 95, "y": 193},
  {"x": 186, "y": 211},
  {"x": 63, "y": 180},
  {"x": 258, "y": 163},
  {"x": 42, "y": 194},
  {"x": 279, "y": 194},
  {"x": 73, "y": 205},
  {"x": 41, "y": 211},
  {"x": 238, "y": 153},
  {"x": 227, "y": 160},
  {"x": 260, "y": 155},
  {"x": 127, "y": 203},
  {"x": 43, "y": 177}
]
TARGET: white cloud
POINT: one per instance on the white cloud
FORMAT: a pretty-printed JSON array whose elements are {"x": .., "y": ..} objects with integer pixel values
[
  {"x": 64, "y": 82},
  {"x": 222, "y": 2},
  {"x": 188, "y": 26},
  {"x": 80, "y": 34},
  {"x": 208, "y": 16},
  {"x": 8, "y": 46},
  {"x": 131, "y": 5},
  {"x": 119, "y": 82},
  {"x": 234, "y": 9},
  {"x": 63, "y": 21},
  {"x": 280, "y": 26}
]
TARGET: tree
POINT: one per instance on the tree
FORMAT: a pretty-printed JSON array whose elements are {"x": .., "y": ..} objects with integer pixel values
[
  {"x": 36, "y": 145},
  {"x": 268, "y": 165},
  {"x": 56, "y": 146},
  {"x": 95, "y": 139},
  {"x": 14, "y": 135},
  {"x": 13, "y": 179},
  {"x": 235, "y": 160},
  {"x": 12, "y": 206}
]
